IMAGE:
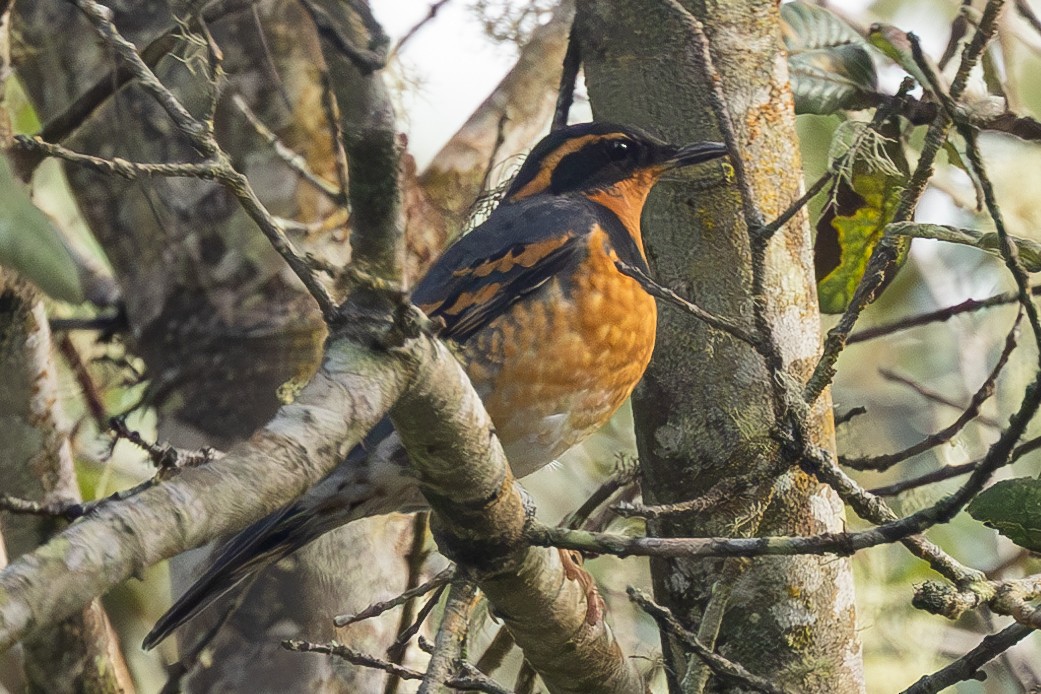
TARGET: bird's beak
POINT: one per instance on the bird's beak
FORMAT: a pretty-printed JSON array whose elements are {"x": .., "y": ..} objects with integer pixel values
[{"x": 695, "y": 154}]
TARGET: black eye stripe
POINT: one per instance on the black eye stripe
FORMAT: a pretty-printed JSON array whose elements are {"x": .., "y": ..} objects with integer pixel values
[{"x": 596, "y": 161}]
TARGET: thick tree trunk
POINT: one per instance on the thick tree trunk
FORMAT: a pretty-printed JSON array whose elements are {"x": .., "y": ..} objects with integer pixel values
[
  {"x": 705, "y": 413},
  {"x": 79, "y": 654}
]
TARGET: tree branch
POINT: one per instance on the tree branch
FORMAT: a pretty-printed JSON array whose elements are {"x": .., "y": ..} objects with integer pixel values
[
  {"x": 200, "y": 135},
  {"x": 479, "y": 520},
  {"x": 305, "y": 440}
]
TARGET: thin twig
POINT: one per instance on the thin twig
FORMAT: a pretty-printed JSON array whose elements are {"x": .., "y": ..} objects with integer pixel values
[
  {"x": 883, "y": 258},
  {"x": 500, "y": 138},
  {"x": 62, "y": 125},
  {"x": 867, "y": 506},
  {"x": 727, "y": 669},
  {"x": 431, "y": 13},
  {"x": 91, "y": 393},
  {"x": 600, "y": 496},
  {"x": 710, "y": 319},
  {"x": 331, "y": 107},
  {"x": 794, "y": 208},
  {"x": 727, "y": 488},
  {"x": 849, "y": 415},
  {"x": 376, "y": 609},
  {"x": 934, "y": 396},
  {"x": 406, "y": 635},
  {"x": 200, "y": 135},
  {"x": 292, "y": 159},
  {"x": 164, "y": 457},
  {"x": 875, "y": 510},
  {"x": 937, "y": 316},
  {"x": 946, "y": 473},
  {"x": 47, "y": 509},
  {"x": 985, "y": 391},
  {"x": 568, "y": 78},
  {"x": 352, "y": 656},
  {"x": 968, "y": 666},
  {"x": 117, "y": 166},
  {"x": 472, "y": 681},
  {"x": 417, "y": 557},
  {"x": 269, "y": 59},
  {"x": 841, "y": 544}
]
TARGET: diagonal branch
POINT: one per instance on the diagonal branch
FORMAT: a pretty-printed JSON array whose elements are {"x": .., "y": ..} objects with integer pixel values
[
  {"x": 353, "y": 389},
  {"x": 985, "y": 391},
  {"x": 200, "y": 135}
]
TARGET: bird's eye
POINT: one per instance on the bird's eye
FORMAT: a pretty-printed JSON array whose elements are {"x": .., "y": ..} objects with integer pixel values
[{"x": 618, "y": 150}]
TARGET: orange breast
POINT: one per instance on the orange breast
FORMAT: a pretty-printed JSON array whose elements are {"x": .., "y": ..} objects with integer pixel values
[{"x": 558, "y": 364}]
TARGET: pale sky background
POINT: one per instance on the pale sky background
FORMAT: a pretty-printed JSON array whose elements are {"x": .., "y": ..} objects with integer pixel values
[
  {"x": 455, "y": 64},
  {"x": 452, "y": 65}
]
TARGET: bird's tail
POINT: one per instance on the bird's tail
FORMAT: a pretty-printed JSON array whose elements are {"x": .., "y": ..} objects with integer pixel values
[
  {"x": 367, "y": 483},
  {"x": 266, "y": 542}
]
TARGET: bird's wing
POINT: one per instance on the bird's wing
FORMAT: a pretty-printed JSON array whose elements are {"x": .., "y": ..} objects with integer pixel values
[{"x": 520, "y": 248}]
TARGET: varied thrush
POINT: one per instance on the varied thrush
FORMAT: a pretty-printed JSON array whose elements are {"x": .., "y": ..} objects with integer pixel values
[{"x": 552, "y": 334}]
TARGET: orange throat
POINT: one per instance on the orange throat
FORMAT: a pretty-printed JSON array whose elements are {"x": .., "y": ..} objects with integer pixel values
[{"x": 626, "y": 199}]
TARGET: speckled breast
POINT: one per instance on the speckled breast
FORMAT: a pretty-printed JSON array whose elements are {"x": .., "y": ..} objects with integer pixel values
[{"x": 557, "y": 364}]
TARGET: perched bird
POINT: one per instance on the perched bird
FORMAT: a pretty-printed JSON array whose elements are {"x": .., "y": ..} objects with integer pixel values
[{"x": 552, "y": 334}]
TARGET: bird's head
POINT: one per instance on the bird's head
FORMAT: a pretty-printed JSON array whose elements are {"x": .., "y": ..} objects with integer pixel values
[
  {"x": 591, "y": 157},
  {"x": 614, "y": 166}
]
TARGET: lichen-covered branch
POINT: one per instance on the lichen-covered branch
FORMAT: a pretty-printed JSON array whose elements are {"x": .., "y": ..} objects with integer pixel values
[
  {"x": 480, "y": 516},
  {"x": 305, "y": 440},
  {"x": 81, "y": 652}
]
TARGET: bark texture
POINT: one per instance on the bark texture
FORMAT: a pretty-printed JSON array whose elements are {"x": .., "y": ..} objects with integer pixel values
[
  {"x": 705, "y": 411},
  {"x": 221, "y": 323},
  {"x": 215, "y": 313},
  {"x": 354, "y": 388},
  {"x": 549, "y": 604},
  {"x": 81, "y": 653}
]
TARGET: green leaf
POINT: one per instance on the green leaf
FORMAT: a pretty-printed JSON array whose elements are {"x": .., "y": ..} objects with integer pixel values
[
  {"x": 829, "y": 65},
  {"x": 1029, "y": 251},
  {"x": 1013, "y": 508},
  {"x": 861, "y": 204},
  {"x": 30, "y": 244},
  {"x": 894, "y": 44}
]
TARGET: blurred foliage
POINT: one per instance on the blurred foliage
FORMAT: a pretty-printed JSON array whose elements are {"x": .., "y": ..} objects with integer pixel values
[
  {"x": 829, "y": 65},
  {"x": 512, "y": 22},
  {"x": 32, "y": 245}
]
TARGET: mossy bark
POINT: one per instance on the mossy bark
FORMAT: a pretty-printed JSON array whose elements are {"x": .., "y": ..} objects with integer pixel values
[{"x": 705, "y": 412}]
